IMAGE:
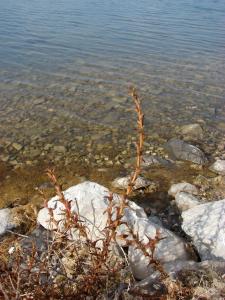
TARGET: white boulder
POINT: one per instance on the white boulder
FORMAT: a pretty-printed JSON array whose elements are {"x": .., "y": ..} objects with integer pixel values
[
  {"x": 218, "y": 167},
  {"x": 185, "y": 201},
  {"x": 170, "y": 249},
  {"x": 90, "y": 201},
  {"x": 205, "y": 224},
  {"x": 182, "y": 187}
]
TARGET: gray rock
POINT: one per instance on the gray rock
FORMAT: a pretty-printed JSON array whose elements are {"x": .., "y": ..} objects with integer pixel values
[
  {"x": 173, "y": 270},
  {"x": 218, "y": 167},
  {"x": 155, "y": 220},
  {"x": 170, "y": 249},
  {"x": 181, "y": 150},
  {"x": 154, "y": 161},
  {"x": 192, "y": 131},
  {"x": 205, "y": 224},
  {"x": 185, "y": 201},
  {"x": 182, "y": 187}
]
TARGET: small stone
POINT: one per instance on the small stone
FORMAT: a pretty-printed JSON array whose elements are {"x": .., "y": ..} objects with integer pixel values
[
  {"x": 13, "y": 162},
  {"x": 218, "y": 167},
  {"x": 4, "y": 158},
  {"x": 34, "y": 153},
  {"x": 192, "y": 131},
  {"x": 60, "y": 149},
  {"x": 123, "y": 182},
  {"x": 17, "y": 146},
  {"x": 153, "y": 161},
  {"x": 48, "y": 147}
]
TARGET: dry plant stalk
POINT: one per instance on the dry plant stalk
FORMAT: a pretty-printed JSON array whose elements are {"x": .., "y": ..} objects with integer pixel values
[
  {"x": 139, "y": 149},
  {"x": 140, "y": 140}
]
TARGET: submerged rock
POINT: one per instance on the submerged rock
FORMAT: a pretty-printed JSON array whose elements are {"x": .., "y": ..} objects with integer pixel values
[
  {"x": 192, "y": 131},
  {"x": 152, "y": 161},
  {"x": 17, "y": 146},
  {"x": 182, "y": 187},
  {"x": 218, "y": 167},
  {"x": 149, "y": 161},
  {"x": 183, "y": 151},
  {"x": 205, "y": 224},
  {"x": 186, "y": 201},
  {"x": 140, "y": 183}
]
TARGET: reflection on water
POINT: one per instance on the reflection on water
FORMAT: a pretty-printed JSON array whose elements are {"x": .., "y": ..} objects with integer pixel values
[{"x": 65, "y": 67}]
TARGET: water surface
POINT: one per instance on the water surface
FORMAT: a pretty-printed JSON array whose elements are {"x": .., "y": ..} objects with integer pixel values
[{"x": 65, "y": 67}]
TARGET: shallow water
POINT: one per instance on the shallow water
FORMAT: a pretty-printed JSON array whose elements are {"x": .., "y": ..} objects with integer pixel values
[{"x": 65, "y": 67}]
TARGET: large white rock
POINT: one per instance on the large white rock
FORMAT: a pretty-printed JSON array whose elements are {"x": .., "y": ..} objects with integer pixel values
[
  {"x": 182, "y": 187},
  {"x": 186, "y": 201},
  {"x": 205, "y": 224},
  {"x": 218, "y": 167},
  {"x": 171, "y": 249},
  {"x": 90, "y": 200},
  {"x": 6, "y": 220}
]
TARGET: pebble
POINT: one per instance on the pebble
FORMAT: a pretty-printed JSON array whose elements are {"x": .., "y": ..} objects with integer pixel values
[
  {"x": 192, "y": 131},
  {"x": 60, "y": 149},
  {"x": 17, "y": 146},
  {"x": 218, "y": 167}
]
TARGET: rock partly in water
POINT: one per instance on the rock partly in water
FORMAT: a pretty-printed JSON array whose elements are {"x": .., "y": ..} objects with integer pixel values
[
  {"x": 6, "y": 220},
  {"x": 218, "y": 167},
  {"x": 170, "y": 249},
  {"x": 192, "y": 132},
  {"x": 205, "y": 224},
  {"x": 155, "y": 161},
  {"x": 151, "y": 161},
  {"x": 181, "y": 150},
  {"x": 90, "y": 200},
  {"x": 140, "y": 183},
  {"x": 182, "y": 187},
  {"x": 186, "y": 201}
]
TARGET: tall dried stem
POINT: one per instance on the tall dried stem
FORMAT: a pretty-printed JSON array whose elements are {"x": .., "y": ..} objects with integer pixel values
[{"x": 140, "y": 139}]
